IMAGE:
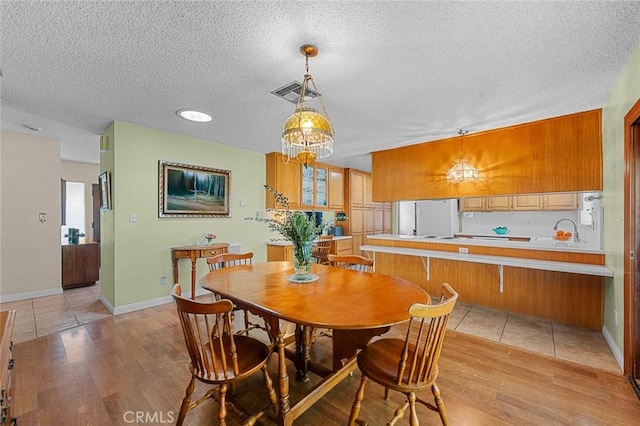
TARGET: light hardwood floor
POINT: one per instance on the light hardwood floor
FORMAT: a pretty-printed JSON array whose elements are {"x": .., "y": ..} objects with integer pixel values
[
  {"x": 109, "y": 371},
  {"x": 46, "y": 315}
]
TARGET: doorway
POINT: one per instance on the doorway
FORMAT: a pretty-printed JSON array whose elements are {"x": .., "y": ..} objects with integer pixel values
[
  {"x": 95, "y": 193},
  {"x": 632, "y": 246}
]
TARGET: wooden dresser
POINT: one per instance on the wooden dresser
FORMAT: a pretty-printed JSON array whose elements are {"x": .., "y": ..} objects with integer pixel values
[
  {"x": 6, "y": 365},
  {"x": 80, "y": 264}
]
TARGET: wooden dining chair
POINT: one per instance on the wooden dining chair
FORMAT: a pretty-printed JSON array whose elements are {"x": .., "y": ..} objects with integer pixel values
[
  {"x": 410, "y": 365},
  {"x": 226, "y": 260},
  {"x": 355, "y": 262},
  {"x": 320, "y": 249},
  {"x": 219, "y": 358}
]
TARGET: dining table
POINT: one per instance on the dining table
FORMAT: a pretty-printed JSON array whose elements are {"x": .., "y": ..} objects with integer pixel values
[{"x": 355, "y": 306}]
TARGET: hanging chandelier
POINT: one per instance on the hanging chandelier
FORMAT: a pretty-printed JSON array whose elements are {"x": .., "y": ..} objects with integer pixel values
[
  {"x": 307, "y": 134},
  {"x": 462, "y": 170}
]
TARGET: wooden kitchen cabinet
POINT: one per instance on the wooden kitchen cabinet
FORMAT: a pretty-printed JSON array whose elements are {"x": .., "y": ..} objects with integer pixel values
[
  {"x": 527, "y": 202},
  {"x": 315, "y": 186},
  {"x": 485, "y": 204},
  {"x": 80, "y": 264},
  {"x": 366, "y": 217},
  {"x": 531, "y": 202},
  {"x": 367, "y": 191},
  {"x": 284, "y": 178},
  {"x": 560, "y": 201},
  {"x": 472, "y": 204},
  {"x": 356, "y": 188},
  {"x": 341, "y": 247},
  {"x": 495, "y": 204},
  {"x": 336, "y": 191},
  {"x": 387, "y": 218}
]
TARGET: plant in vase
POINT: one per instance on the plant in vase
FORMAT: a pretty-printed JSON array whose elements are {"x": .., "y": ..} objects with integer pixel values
[
  {"x": 296, "y": 227},
  {"x": 210, "y": 237}
]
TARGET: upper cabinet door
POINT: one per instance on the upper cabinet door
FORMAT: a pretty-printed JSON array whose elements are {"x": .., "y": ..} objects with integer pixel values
[
  {"x": 368, "y": 191},
  {"x": 527, "y": 202},
  {"x": 284, "y": 177},
  {"x": 472, "y": 204},
  {"x": 356, "y": 183},
  {"x": 336, "y": 193},
  {"x": 498, "y": 203},
  {"x": 560, "y": 201},
  {"x": 307, "y": 174},
  {"x": 321, "y": 186}
]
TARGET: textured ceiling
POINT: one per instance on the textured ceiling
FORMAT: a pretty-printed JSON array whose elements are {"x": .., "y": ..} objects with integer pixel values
[{"x": 392, "y": 73}]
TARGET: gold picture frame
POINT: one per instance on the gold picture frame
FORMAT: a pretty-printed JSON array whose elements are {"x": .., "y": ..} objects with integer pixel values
[{"x": 193, "y": 191}]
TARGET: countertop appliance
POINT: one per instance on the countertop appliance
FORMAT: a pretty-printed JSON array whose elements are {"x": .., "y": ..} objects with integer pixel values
[{"x": 438, "y": 218}]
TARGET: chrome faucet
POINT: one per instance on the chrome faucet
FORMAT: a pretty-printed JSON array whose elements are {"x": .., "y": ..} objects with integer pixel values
[{"x": 576, "y": 237}]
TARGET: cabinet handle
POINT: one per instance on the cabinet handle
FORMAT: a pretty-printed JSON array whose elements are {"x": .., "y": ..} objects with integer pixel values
[{"x": 11, "y": 362}]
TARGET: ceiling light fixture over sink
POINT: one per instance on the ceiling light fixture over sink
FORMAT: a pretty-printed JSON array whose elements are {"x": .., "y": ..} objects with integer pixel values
[
  {"x": 462, "y": 170},
  {"x": 307, "y": 134}
]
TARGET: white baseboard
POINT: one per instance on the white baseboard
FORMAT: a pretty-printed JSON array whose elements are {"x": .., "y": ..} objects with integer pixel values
[
  {"x": 617, "y": 354},
  {"x": 148, "y": 303},
  {"x": 30, "y": 295},
  {"x": 106, "y": 303},
  {"x": 141, "y": 305}
]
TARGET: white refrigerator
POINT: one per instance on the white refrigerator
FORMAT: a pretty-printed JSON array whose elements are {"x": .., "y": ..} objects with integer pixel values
[{"x": 437, "y": 218}]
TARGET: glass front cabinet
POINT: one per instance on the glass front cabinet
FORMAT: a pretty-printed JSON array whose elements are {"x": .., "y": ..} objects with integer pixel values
[{"x": 314, "y": 186}]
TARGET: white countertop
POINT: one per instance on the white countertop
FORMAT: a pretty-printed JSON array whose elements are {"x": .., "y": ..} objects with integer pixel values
[
  {"x": 546, "y": 244},
  {"x": 547, "y": 265},
  {"x": 288, "y": 243}
]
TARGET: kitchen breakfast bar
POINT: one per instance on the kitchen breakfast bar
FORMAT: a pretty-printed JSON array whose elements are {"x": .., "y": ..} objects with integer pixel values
[{"x": 560, "y": 282}]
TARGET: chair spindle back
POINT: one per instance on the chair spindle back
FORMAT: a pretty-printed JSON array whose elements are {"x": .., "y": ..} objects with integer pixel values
[{"x": 425, "y": 335}]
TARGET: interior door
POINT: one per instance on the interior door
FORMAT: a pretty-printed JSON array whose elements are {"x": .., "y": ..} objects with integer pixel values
[
  {"x": 634, "y": 259},
  {"x": 632, "y": 246}
]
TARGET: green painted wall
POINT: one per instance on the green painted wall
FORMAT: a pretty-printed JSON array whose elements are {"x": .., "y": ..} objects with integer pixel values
[
  {"x": 625, "y": 93},
  {"x": 136, "y": 255},
  {"x": 107, "y": 229}
]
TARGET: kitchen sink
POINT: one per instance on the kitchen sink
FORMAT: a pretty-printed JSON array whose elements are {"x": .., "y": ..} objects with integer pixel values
[{"x": 551, "y": 240}]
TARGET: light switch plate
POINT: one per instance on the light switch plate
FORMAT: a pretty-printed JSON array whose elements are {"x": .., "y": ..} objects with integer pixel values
[{"x": 133, "y": 217}]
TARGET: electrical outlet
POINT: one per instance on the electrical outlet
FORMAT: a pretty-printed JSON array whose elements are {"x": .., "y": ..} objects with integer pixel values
[
  {"x": 163, "y": 280},
  {"x": 615, "y": 317},
  {"x": 463, "y": 250}
]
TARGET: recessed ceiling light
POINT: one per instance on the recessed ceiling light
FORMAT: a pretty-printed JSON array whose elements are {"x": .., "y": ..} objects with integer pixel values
[{"x": 197, "y": 116}]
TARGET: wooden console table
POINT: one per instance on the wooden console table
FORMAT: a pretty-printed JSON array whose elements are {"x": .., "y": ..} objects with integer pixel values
[{"x": 194, "y": 253}]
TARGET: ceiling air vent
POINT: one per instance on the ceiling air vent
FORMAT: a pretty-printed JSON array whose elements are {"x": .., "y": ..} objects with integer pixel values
[{"x": 291, "y": 92}]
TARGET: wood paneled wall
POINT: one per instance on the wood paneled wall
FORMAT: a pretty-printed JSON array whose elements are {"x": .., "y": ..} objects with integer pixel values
[
  {"x": 560, "y": 154},
  {"x": 563, "y": 297}
]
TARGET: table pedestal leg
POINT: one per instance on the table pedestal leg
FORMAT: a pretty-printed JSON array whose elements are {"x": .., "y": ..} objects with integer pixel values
[{"x": 303, "y": 345}]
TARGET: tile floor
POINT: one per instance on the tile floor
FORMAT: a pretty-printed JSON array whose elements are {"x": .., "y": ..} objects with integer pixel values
[
  {"x": 538, "y": 335},
  {"x": 46, "y": 315},
  {"x": 50, "y": 314}
]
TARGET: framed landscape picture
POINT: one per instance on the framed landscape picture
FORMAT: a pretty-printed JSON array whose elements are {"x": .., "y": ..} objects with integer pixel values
[{"x": 192, "y": 191}]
